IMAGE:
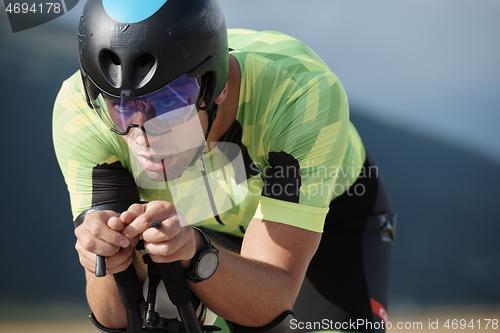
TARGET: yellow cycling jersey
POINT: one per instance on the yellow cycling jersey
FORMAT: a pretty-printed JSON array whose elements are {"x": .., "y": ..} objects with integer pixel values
[{"x": 292, "y": 130}]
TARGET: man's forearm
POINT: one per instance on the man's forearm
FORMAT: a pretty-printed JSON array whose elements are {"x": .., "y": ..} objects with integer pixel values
[
  {"x": 254, "y": 288},
  {"x": 104, "y": 301},
  {"x": 247, "y": 292}
]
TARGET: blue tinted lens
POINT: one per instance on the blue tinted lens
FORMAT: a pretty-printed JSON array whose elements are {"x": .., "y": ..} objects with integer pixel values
[{"x": 157, "y": 112}]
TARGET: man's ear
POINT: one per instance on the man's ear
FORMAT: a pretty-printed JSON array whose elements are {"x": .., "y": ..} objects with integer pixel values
[{"x": 222, "y": 97}]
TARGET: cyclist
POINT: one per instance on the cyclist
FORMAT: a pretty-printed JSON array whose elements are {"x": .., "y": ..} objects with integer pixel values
[{"x": 160, "y": 83}]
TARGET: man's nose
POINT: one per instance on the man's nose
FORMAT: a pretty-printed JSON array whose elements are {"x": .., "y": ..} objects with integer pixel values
[{"x": 140, "y": 138}]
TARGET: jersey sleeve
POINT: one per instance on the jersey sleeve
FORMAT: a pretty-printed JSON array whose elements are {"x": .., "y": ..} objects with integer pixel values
[
  {"x": 295, "y": 116},
  {"x": 305, "y": 149},
  {"x": 89, "y": 155}
]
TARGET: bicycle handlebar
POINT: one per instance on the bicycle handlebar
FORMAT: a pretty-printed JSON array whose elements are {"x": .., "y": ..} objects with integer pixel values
[
  {"x": 130, "y": 292},
  {"x": 178, "y": 291},
  {"x": 100, "y": 266},
  {"x": 131, "y": 297}
]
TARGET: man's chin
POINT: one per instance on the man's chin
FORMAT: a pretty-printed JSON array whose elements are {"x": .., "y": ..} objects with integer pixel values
[{"x": 157, "y": 176}]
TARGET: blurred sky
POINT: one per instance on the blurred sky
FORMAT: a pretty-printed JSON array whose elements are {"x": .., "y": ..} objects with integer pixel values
[{"x": 431, "y": 66}]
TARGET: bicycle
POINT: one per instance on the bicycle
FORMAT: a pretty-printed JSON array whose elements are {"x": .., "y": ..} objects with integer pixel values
[
  {"x": 177, "y": 288},
  {"x": 131, "y": 296}
]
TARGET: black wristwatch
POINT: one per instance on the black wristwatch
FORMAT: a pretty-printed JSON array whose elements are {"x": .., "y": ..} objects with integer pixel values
[{"x": 204, "y": 263}]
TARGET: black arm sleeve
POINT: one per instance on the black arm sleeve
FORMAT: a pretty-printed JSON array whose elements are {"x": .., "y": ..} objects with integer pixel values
[{"x": 113, "y": 188}]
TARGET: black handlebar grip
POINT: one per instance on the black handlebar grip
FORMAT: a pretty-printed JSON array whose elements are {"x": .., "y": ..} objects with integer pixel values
[
  {"x": 178, "y": 290},
  {"x": 130, "y": 292},
  {"x": 129, "y": 288},
  {"x": 100, "y": 266},
  {"x": 175, "y": 282}
]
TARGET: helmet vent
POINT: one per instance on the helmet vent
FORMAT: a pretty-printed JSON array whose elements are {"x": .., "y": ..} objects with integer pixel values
[
  {"x": 111, "y": 67},
  {"x": 144, "y": 69}
]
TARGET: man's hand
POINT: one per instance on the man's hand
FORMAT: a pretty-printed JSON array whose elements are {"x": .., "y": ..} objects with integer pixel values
[
  {"x": 168, "y": 243},
  {"x": 100, "y": 233}
]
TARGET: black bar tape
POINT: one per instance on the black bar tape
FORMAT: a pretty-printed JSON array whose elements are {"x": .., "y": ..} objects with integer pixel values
[
  {"x": 175, "y": 281},
  {"x": 130, "y": 292},
  {"x": 129, "y": 288},
  {"x": 134, "y": 320},
  {"x": 178, "y": 290}
]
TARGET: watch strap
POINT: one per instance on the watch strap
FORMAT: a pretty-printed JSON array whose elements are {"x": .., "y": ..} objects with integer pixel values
[{"x": 209, "y": 247}]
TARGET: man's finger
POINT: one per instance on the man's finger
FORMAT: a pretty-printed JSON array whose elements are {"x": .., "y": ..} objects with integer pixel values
[
  {"x": 96, "y": 223},
  {"x": 98, "y": 246},
  {"x": 154, "y": 211},
  {"x": 116, "y": 224},
  {"x": 166, "y": 230}
]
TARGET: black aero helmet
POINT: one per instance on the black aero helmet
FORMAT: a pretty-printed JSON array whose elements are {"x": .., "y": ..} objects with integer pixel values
[{"x": 137, "y": 47}]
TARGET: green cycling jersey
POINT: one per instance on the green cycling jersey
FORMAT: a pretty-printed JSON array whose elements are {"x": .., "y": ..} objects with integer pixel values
[{"x": 292, "y": 127}]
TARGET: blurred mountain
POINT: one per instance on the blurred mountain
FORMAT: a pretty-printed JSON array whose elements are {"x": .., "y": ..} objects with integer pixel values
[
  {"x": 447, "y": 197},
  {"x": 39, "y": 260},
  {"x": 447, "y": 202}
]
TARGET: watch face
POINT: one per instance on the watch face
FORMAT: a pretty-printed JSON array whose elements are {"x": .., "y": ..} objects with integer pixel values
[{"x": 207, "y": 265}]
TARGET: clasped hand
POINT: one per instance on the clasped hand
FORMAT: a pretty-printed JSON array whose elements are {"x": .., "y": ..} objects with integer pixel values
[{"x": 115, "y": 236}]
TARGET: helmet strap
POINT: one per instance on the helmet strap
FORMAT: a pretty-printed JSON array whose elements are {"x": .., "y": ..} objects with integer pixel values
[{"x": 212, "y": 114}]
